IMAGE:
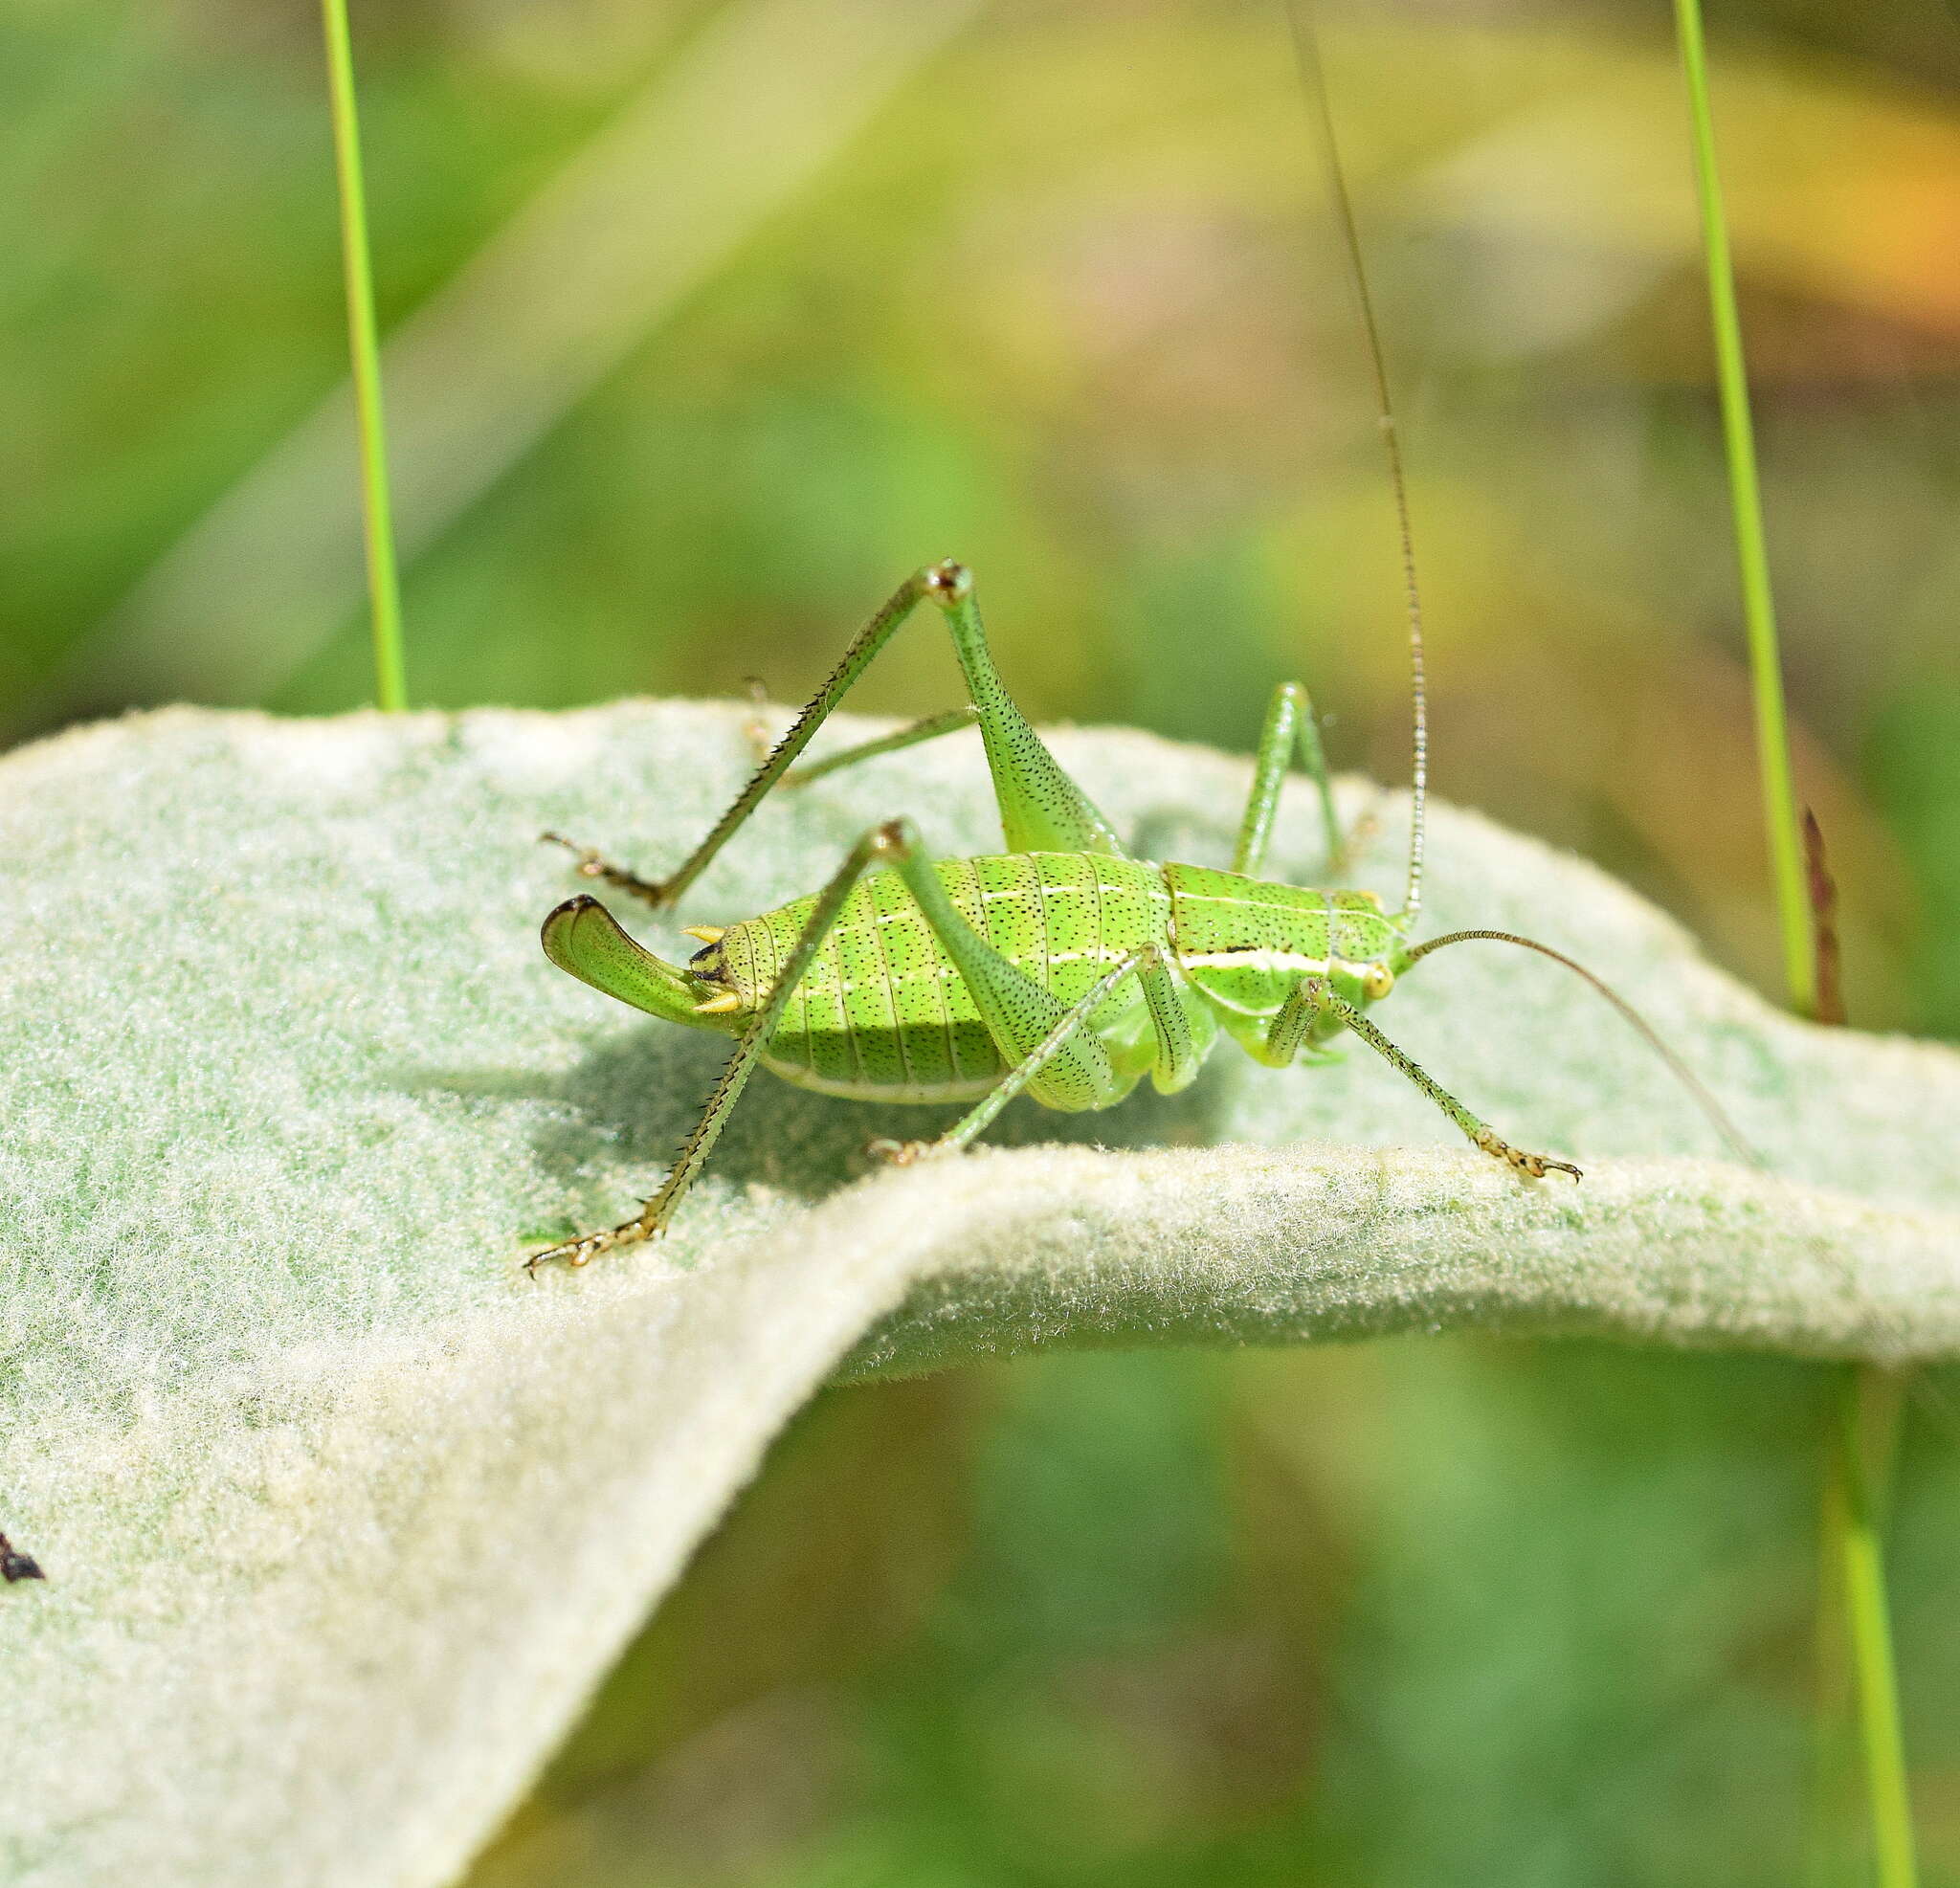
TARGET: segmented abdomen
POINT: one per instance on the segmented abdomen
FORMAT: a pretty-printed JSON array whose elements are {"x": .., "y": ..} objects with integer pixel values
[{"x": 882, "y": 1011}]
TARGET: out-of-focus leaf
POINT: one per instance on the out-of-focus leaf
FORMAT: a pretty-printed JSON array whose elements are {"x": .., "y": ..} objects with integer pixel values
[{"x": 342, "y": 1517}]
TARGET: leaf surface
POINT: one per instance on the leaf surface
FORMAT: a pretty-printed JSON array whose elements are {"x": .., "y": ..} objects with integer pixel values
[{"x": 343, "y": 1519}]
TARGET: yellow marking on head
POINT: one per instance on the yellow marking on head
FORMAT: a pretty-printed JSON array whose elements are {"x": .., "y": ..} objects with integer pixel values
[
  {"x": 706, "y": 933},
  {"x": 719, "y": 1006}
]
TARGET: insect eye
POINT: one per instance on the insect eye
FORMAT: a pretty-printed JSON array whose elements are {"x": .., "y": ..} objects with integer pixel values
[{"x": 1377, "y": 980}]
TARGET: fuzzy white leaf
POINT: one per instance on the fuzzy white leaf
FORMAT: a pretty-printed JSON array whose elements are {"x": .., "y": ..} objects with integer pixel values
[{"x": 342, "y": 1517}]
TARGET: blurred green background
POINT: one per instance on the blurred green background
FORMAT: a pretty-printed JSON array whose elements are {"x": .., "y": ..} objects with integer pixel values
[{"x": 707, "y": 323}]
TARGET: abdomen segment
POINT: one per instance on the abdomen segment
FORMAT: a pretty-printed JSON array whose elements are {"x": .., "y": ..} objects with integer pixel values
[{"x": 882, "y": 1012}]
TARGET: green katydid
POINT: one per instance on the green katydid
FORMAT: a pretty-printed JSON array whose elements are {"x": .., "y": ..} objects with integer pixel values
[{"x": 1060, "y": 965}]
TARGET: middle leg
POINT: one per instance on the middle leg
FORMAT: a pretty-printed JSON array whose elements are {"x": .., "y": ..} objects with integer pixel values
[
  {"x": 910, "y": 736},
  {"x": 1177, "y": 1055},
  {"x": 978, "y": 1118}
]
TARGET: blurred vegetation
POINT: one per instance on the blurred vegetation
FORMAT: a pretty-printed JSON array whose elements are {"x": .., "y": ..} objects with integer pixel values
[{"x": 1065, "y": 303}]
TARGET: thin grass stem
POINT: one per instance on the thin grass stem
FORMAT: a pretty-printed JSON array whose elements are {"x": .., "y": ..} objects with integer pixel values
[
  {"x": 1867, "y": 1444},
  {"x": 1745, "y": 500},
  {"x": 1858, "y": 1704},
  {"x": 1837, "y": 1851},
  {"x": 1858, "y": 1453},
  {"x": 384, "y": 581}
]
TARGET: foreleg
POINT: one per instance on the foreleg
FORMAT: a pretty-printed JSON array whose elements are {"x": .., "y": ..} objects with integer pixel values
[{"x": 1315, "y": 996}]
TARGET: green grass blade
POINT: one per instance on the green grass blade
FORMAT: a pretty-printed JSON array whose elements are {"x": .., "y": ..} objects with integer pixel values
[
  {"x": 1746, "y": 498},
  {"x": 1858, "y": 1456},
  {"x": 384, "y": 583},
  {"x": 1868, "y": 1427}
]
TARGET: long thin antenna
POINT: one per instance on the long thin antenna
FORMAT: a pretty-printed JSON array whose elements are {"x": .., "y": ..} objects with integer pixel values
[
  {"x": 1313, "y": 76},
  {"x": 1682, "y": 1073}
]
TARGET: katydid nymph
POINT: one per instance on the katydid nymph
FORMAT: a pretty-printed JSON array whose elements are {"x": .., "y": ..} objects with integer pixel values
[{"x": 1060, "y": 967}]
